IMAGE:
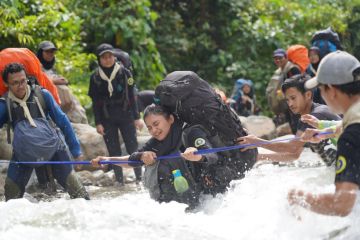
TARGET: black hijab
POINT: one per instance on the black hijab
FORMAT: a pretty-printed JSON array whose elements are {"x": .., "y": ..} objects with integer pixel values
[{"x": 47, "y": 65}]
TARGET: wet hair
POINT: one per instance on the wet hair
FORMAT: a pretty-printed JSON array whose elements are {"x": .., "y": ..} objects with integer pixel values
[
  {"x": 352, "y": 88},
  {"x": 296, "y": 81},
  {"x": 12, "y": 68},
  {"x": 156, "y": 110}
]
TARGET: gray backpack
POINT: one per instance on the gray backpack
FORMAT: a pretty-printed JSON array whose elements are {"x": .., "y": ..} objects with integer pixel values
[{"x": 33, "y": 143}]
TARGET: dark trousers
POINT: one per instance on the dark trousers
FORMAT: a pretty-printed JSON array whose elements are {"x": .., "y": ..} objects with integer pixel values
[
  {"x": 18, "y": 176},
  {"x": 111, "y": 138}
]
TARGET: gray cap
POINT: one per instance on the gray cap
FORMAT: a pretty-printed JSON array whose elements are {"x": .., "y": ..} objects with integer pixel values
[
  {"x": 47, "y": 45},
  {"x": 336, "y": 68}
]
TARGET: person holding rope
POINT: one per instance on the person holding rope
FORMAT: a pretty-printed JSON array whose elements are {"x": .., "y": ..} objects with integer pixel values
[
  {"x": 35, "y": 118},
  {"x": 300, "y": 102},
  {"x": 204, "y": 173},
  {"x": 338, "y": 78},
  {"x": 166, "y": 132}
]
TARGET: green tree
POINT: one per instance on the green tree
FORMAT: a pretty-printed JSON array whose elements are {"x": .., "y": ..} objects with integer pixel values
[
  {"x": 27, "y": 23},
  {"x": 223, "y": 40},
  {"x": 127, "y": 25}
]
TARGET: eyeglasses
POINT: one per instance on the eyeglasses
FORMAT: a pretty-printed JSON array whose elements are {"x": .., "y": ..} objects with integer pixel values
[{"x": 18, "y": 83}]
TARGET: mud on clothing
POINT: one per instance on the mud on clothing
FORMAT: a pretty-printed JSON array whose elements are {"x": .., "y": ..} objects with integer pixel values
[
  {"x": 216, "y": 170},
  {"x": 325, "y": 149},
  {"x": 116, "y": 112}
]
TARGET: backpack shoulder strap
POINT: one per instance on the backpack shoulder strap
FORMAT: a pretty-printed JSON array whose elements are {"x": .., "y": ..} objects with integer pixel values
[
  {"x": 39, "y": 99},
  {"x": 8, "y": 127}
]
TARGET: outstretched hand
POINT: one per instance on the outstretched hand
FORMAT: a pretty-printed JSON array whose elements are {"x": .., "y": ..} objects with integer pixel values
[
  {"x": 190, "y": 155},
  {"x": 315, "y": 135},
  {"x": 249, "y": 139},
  {"x": 310, "y": 120},
  {"x": 96, "y": 161},
  {"x": 139, "y": 124}
]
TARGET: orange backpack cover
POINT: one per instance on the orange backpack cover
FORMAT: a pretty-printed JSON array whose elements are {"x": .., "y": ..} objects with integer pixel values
[
  {"x": 32, "y": 66},
  {"x": 298, "y": 54}
]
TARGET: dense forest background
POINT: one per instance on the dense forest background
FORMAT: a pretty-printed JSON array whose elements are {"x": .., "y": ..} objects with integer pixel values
[{"x": 221, "y": 40}]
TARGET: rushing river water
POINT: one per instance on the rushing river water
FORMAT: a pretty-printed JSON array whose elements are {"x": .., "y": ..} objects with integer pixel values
[{"x": 254, "y": 208}]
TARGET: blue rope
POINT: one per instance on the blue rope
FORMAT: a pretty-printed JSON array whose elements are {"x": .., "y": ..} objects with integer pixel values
[{"x": 170, "y": 156}]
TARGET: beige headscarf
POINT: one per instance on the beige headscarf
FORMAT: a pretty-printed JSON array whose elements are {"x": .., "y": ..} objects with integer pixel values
[
  {"x": 112, "y": 77},
  {"x": 22, "y": 103}
]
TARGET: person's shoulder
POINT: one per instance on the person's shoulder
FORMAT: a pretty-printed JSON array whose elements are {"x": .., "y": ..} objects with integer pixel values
[
  {"x": 323, "y": 112},
  {"x": 351, "y": 135},
  {"x": 45, "y": 92}
]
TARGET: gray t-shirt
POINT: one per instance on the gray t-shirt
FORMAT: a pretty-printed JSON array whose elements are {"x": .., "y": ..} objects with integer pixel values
[{"x": 321, "y": 112}]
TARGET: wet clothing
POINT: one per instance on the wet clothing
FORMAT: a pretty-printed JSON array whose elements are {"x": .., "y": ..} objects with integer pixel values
[
  {"x": 158, "y": 177},
  {"x": 325, "y": 149},
  {"x": 116, "y": 111},
  {"x": 348, "y": 155},
  {"x": 18, "y": 175},
  {"x": 216, "y": 170}
]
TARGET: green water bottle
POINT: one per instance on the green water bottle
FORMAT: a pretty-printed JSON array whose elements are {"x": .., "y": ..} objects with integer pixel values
[{"x": 180, "y": 183}]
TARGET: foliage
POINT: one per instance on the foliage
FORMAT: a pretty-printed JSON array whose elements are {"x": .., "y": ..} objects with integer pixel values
[
  {"x": 224, "y": 40},
  {"x": 127, "y": 25},
  {"x": 27, "y": 23},
  {"x": 221, "y": 40}
]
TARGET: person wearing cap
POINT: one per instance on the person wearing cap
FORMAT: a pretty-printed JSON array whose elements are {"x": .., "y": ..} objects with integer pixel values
[
  {"x": 112, "y": 90},
  {"x": 46, "y": 55},
  {"x": 286, "y": 69},
  {"x": 300, "y": 103},
  {"x": 69, "y": 103},
  {"x": 338, "y": 78}
]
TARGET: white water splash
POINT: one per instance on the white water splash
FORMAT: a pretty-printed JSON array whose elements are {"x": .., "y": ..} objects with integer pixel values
[{"x": 254, "y": 208}]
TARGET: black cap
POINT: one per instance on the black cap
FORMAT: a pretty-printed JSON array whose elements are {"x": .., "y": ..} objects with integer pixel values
[
  {"x": 47, "y": 45},
  {"x": 104, "y": 48}
]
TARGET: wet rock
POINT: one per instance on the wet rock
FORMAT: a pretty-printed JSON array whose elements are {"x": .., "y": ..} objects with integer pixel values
[
  {"x": 92, "y": 143},
  {"x": 96, "y": 178},
  {"x": 259, "y": 126},
  {"x": 282, "y": 130},
  {"x": 75, "y": 112},
  {"x": 5, "y": 148}
]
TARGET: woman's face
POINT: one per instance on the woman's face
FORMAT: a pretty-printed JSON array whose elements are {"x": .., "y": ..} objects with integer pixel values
[
  {"x": 158, "y": 126},
  {"x": 107, "y": 60},
  {"x": 314, "y": 57},
  {"x": 246, "y": 89},
  {"x": 48, "y": 55}
]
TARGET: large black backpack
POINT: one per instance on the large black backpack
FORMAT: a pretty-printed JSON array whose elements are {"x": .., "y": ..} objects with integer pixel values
[
  {"x": 124, "y": 58},
  {"x": 194, "y": 101}
]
